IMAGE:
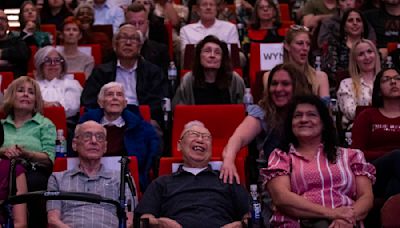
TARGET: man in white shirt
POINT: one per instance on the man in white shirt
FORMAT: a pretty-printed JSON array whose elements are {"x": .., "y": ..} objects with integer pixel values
[
  {"x": 105, "y": 13},
  {"x": 208, "y": 25}
]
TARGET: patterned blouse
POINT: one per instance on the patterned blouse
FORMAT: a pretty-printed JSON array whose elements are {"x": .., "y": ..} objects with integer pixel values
[
  {"x": 347, "y": 100},
  {"x": 318, "y": 180}
]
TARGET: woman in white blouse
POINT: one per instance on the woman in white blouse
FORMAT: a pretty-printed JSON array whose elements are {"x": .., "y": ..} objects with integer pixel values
[
  {"x": 357, "y": 90},
  {"x": 57, "y": 89}
]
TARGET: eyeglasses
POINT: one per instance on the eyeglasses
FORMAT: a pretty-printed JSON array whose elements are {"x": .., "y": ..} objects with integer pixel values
[
  {"x": 299, "y": 28},
  {"x": 385, "y": 79},
  {"x": 197, "y": 135},
  {"x": 55, "y": 61},
  {"x": 88, "y": 136},
  {"x": 125, "y": 39}
]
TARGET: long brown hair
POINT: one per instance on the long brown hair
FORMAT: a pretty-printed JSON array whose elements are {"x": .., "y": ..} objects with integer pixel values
[
  {"x": 274, "y": 116},
  {"x": 225, "y": 72}
]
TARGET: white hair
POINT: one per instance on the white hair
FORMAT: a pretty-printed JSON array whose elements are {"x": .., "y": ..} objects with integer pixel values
[
  {"x": 191, "y": 124},
  {"x": 107, "y": 86}
]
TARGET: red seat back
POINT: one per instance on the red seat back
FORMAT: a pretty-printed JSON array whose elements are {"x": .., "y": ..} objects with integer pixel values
[
  {"x": 80, "y": 77},
  {"x": 221, "y": 120},
  {"x": 145, "y": 112},
  {"x": 57, "y": 116},
  {"x": 6, "y": 79}
]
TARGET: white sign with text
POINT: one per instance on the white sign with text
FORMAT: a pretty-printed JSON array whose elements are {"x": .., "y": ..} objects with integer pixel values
[{"x": 270, "y": 55}]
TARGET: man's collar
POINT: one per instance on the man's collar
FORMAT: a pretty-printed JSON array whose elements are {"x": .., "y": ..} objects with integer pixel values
[
  {"x": 119, "y": 122},
  {"x": 199, "y": 23},
  {"x": 103, "y": 172},
  {"x": 131, "y": 69},
  {"x": 101, "y": 6},
  {"x": 181, "y": 170}
]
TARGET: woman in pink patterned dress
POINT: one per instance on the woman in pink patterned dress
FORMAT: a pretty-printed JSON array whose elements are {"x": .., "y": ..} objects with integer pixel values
[{"x": 310, "y": 179}]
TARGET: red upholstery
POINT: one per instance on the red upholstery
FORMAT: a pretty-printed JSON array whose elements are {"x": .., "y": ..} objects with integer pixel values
[
  {"x": 57, "y": 116},
  {"x": 80, "y": 77},
  {"x": 6, "y": 79},
  {"x": 145, "y": 112},
  {"x": 392, "y": 46},
  {"x": 254, "y": 65},
  {"x": 52, "y": 30},
  {"x": 256, "y": 34},
  {"x": 390, "y": 212},
  {"x": 31, "y": 63},
  {"x": 166, "y": 166},
  {"x": 106, "y": 29},
  {"x": 60, "y": 164},
  {"x": 286, "y": 25},
  {"x": 169, "y": 27},
  {"x": 285, "y": 12},
  {"x": 96, "y": 52},
  {"x": 221, "y": 120}
]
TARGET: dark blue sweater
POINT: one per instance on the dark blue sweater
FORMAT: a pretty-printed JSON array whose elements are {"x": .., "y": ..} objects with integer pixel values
[{"x": 140, "y": 139}]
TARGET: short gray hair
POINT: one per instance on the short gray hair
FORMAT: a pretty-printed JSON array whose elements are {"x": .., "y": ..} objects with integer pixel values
[
  {"x": 107, "y": 86},
  {"x": 191, "y": 124},
  {"x": 139, "y": 36},
  {"x": 82, "y": 6},
  {"x": 39, "y": 58},
  {"x": 79, "y": 126}
]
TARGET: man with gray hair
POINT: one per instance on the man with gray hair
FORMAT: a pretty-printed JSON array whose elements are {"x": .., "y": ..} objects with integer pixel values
[
  {"x": 127, "y": 133},
  {"x": 153, "y": 51},
  {"x": 143, "y": 82},
  {"x": 194, "y": 196},
  {"x": 90, "y": 141}
]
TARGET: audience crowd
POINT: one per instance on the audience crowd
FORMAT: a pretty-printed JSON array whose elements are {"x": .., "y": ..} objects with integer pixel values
[{"x": 324, "y": 130}]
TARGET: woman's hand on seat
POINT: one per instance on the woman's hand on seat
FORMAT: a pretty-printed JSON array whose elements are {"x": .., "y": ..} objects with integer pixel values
[{"x": 229, "y": 172}]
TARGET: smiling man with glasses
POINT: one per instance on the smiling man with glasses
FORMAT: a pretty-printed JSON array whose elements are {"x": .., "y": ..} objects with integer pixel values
[
  {"x": 14, "y": 53},
  {"x": 194, "y": 196},
  {"x": 89, "y": 176}
]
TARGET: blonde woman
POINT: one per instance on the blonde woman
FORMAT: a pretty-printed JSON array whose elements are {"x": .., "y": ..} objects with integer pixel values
[
  {"x": 357, "y": 90},
  {"x": 296, "y": 49}
]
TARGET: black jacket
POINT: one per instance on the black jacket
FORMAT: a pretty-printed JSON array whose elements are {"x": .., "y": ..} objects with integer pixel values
[
  {"x": 151, "y": 85},
  {"x": 156, "y": 53},
  {"x": 17, "y": 53}
]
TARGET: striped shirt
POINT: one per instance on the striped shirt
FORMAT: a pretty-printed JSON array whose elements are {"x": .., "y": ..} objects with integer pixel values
[
  {"x": 318, "y": 180},
  {"x": 83, "y": 214}
]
